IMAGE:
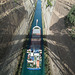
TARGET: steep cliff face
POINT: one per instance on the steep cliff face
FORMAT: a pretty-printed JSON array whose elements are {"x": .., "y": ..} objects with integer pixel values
[
  {"x": 60, "y": 46},
  {"x": 47, "y": 12},
  {"x": 15, "y": 21},
  {"x": 62, "y": 7}
]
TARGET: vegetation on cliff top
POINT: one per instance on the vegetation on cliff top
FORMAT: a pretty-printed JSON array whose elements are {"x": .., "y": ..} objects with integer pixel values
[
  {"x": 70, "y": 22},
  {"x": 49, "y": 3},
  {"x": 70, "y": 18}
]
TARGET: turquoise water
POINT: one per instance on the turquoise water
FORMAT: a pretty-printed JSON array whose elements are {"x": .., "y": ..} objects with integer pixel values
[{"x": 37, "y": 15}]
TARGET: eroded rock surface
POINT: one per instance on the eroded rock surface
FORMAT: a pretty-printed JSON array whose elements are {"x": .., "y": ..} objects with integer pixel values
[
  {"x": 60, "y": 46},
  {"x": 15, "y": 19}
]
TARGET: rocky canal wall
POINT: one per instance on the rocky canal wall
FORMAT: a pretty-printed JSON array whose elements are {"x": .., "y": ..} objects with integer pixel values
[
  {"x": 47, "y": 12},
  {"x": 59, "y": 45},
  {"x": 15, "y": 22}
]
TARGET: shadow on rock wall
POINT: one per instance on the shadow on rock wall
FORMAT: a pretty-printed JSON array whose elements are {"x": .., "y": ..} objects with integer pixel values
[{"x": 61, "y": 48}]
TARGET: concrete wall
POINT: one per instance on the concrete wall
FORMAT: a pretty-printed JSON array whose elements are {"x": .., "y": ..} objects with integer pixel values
[{"x": 15, "y": 19}]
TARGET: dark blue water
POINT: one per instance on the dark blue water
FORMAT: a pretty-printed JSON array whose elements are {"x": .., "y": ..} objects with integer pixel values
[{"x": 37, "y": 15}]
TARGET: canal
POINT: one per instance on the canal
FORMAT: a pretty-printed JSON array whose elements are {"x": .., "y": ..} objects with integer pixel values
[{"x": 37, "y": 15}]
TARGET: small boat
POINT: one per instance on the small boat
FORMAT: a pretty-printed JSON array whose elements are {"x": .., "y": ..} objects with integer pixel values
[{"x": 34, "y": 54}]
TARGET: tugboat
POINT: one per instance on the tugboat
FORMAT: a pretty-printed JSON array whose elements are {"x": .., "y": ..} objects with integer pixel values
[{"x": 34, "y": 54}]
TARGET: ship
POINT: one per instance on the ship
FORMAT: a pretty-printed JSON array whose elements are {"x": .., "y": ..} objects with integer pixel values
[{"x": 34, "y": 54}]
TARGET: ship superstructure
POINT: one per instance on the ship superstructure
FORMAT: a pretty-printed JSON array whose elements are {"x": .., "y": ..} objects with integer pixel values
[{"x": 34, "y": 54}]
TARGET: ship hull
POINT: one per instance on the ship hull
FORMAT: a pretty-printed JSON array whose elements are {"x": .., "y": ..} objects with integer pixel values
[{"x": 34, "y": 54}]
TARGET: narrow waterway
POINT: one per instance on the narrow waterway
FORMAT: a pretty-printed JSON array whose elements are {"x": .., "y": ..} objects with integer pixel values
[{"x": 38, "y": 16}]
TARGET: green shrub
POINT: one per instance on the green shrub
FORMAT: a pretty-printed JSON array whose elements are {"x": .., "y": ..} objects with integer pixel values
[
  {"x": 72, "y": 32},
  {"x": 48, "y": 3},
  {"x": 15, "y": 1},
  {"x": 70, "y": 18},
  {"x": 35, "y": 4},
  {"x": 70, "y": 22}
]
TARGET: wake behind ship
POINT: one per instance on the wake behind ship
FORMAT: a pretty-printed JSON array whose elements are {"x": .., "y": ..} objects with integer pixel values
[{"x": 34, "y": 54}]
